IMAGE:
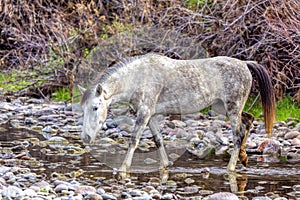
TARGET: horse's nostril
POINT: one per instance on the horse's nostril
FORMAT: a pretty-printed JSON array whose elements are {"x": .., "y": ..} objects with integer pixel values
[{"x": 86, "y": 138}]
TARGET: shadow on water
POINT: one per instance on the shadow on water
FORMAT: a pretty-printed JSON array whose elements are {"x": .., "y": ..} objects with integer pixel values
[{"x": 208, "y": 174}]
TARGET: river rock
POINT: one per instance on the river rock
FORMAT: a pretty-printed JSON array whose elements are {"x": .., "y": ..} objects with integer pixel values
[
  {"x": 291, "y": 135},
  {"x": 85, "y": 189},
  {"x": 12, "y": 192},
  {"x": 29, "y": 121},
  {"x": 167, "y": 196},
  {"x": 179, "y": 123},
  {"x": 222, "y": 196},
  {"x": 261, "y": 198},
  {"x": 296, "y": 141},
  {"x": 30, "y": 192},
  {"x": 61, "y": 187},
  {"x": 107, "y": 196},
  {"x": 93, "y": 196},
  {"x": 270, "y": 147}
]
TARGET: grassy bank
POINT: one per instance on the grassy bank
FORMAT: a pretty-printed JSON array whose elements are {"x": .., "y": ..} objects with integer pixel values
[{"x": 285, "y": 108}]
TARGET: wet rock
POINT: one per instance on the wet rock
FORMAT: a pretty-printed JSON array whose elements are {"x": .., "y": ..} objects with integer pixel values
[
  {"x": 201, "y": 152},
  {"x": 296, "y": 142},
  {"x": 35, "y": 101},
  {"x": 30, "y": 192},
  {"x": 191, "y": 189},
  {"x": 270, "y": 147},
  {"x": 261, "y": 198},
  {"x": 189, "y": 181},
  {"x": 296, "y": 188},
  {"x": 280, "y": 198},
  {"x": 70, "y": 128},
  {"x": 251, "y": 144},
  {"x": 167, "y": 196},
  {"x": 12, "y": 192},
  {"x": 211, "y": 113},
  {"x": 93, "y": 196},
  {"x": 125, "y": 195},
  {"x": 297, "y": 127},
  {"x": 136, "y": 193},
  {"x": 4, "y": 170},
  {"x": 222, "y": 196},
  {"x": 85, "y": 189},
  {"x": 107, "y": 196},
  {"x": 291, "y": 135},
  {"x": 110, "y": 123},
  {"x": 149, "y": 161},
  {"x": 179, "y": 123},
  {"x": 47, "y": 129},
  {"x": 154, "y": 194},
  {"x": 61, "y": 187},
  {"x": 29, "y": 121},
  {"x": 147, "y": 134},
  {"x": 49, "y": 117}
]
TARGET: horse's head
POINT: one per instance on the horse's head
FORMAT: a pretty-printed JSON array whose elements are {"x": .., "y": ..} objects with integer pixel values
[{"x": 94, "y": 106}]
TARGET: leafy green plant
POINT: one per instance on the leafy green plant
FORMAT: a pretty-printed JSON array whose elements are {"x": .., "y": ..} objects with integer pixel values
[
  {"x": 285, "y": 108},
  {"x": 64, "y": 94},
  {"x": 194, "y": 4},
  {"x": 61, "y": 94}
]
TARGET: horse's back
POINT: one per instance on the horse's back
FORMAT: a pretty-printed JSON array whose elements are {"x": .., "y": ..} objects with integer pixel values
[{"x": 191, "y": 85}]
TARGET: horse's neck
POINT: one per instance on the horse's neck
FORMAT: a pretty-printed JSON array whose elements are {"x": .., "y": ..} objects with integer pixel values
[{"x": 119, "y": 88}]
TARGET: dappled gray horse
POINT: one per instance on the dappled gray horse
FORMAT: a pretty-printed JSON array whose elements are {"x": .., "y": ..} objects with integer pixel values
[{"x": 155, "y": 84}]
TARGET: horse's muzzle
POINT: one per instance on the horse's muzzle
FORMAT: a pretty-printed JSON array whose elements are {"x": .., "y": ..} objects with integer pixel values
[{"x": 86, "y": 138}]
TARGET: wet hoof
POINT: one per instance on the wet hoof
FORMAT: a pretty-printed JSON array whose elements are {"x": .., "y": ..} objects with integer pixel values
[
  {"x": 164, "y": 176},
  {"x": 123, "y": 173},
  {"x": 244, "y": 158}
]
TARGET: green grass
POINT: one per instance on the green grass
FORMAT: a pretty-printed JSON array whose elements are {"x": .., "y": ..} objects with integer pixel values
[
  {"x": 285, "y": 108},
  {"x": 63, "y": 94},
  {"x": 14, "y": 81}
]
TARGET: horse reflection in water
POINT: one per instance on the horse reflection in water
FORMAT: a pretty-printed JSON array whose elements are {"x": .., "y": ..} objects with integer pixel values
[{"x": 155, "y": 84}]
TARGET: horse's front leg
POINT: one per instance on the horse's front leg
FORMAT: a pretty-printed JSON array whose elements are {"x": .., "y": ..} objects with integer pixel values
[
  {"x": 143, "y": 116},
  {"x": 153, "y": 124},
  {"x": 164, "y": 161}
]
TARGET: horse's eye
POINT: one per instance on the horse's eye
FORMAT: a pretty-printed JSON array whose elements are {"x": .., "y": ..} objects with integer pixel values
[{"x": 95, "y": 108}]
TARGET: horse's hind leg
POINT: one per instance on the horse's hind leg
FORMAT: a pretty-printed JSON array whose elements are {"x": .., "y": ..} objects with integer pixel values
[
  {"x": 235, "y": 119},
  {"x": 247, "y": 120}
]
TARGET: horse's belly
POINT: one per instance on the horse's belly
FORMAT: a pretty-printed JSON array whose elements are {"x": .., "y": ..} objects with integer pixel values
[{"x": 182, "y": 105}]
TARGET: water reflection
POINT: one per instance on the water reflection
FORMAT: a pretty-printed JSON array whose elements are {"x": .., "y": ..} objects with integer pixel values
[{"x": 209, "y": 174}]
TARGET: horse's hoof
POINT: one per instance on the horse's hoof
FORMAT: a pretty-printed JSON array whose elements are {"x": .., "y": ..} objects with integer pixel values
[
  {"x": 245, "y": 162},
  {"x": 244, "y": 159}
]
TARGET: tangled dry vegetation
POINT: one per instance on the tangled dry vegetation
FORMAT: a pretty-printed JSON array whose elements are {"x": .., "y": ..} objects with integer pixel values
[{"x": 71, "y": 36}]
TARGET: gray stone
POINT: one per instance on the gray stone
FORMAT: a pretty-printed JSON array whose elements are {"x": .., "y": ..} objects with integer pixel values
[
  {"x": 261, "y": 198},
  {"x": 291, "y": 135},
  {"x": 29, "y": 120},
  {"x": 222, "y": 196},
  {"x": 47, "y": 129},
  {"x": 167, "y": 196},
  {"x": 107, "y": 196},
  {"x": 13, "y": 192},
  {"x": 61, "y": 187}
]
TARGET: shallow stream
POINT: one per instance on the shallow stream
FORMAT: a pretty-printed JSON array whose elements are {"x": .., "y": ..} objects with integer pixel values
[{"x": 264, "y": 176}]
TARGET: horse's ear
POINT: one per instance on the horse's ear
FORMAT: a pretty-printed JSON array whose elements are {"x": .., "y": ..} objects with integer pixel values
[
  {"x": 81, "y": 89},
  {"x": 98, "y": 90}
]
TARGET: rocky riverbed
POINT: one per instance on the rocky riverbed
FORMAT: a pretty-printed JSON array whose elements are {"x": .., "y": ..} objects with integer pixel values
[{"x": 42, "y": 157}]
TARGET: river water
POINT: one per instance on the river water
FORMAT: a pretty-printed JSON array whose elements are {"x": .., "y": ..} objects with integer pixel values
[{"x": 264, "y": 176}]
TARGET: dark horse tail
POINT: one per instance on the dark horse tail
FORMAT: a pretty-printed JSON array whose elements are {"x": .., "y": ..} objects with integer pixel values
[{"x": 266, "y": 93}]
